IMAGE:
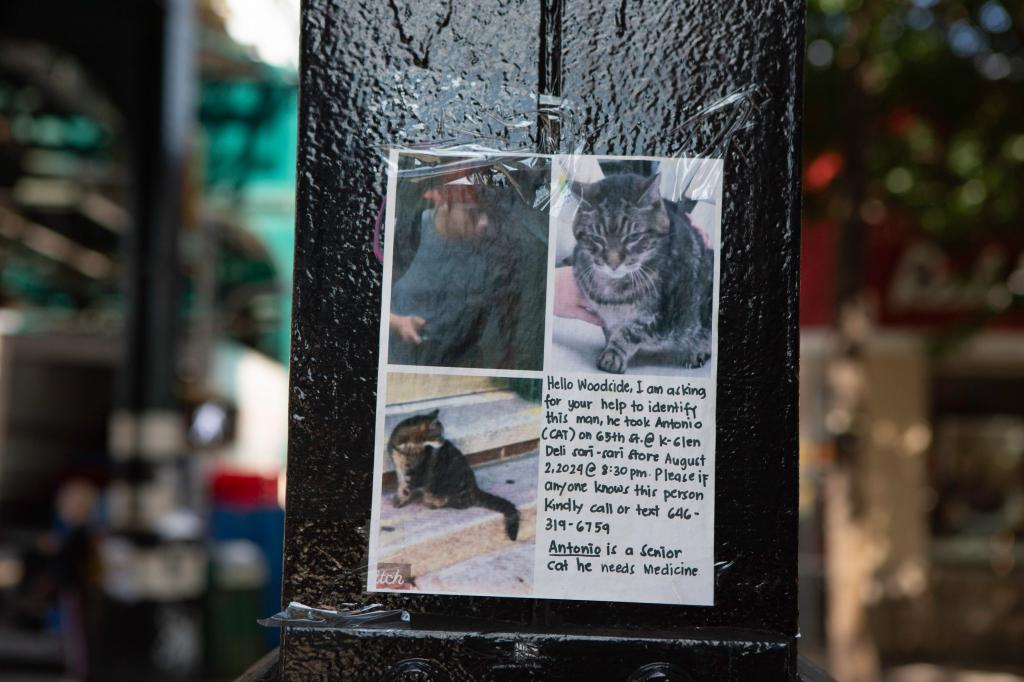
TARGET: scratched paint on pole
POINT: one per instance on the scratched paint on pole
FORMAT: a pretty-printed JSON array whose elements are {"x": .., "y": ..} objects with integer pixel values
[{"x": 545, "y": 424}]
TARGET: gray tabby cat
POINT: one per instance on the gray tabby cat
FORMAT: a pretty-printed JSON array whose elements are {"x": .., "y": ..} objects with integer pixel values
[
  {"x": 645, "y": 270},
  {"x": 431, "y": 469}
]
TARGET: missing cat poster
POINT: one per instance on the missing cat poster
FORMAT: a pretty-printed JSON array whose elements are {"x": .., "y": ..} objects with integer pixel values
[{"x": 545, "y": 424}]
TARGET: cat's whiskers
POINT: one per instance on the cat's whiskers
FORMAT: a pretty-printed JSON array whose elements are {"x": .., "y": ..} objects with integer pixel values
[
  {"x": 647, "y": 287},
  {"x": 635, "y": 282},
  {"x": 655, "y": 283},
  {"x": 587, "y": 274},
  {"x": 647, "y": 279}
]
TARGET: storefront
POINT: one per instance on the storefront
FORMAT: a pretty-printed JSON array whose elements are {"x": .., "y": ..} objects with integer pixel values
[{"x": 939, "y": 493}]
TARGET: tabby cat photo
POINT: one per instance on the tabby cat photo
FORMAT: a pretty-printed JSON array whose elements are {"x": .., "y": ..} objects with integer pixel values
[
  {"x": 433, "y": 472},
  {"x": 645, "y": 271}
]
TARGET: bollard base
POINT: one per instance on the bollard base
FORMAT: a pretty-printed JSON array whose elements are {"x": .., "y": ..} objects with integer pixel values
[{"x": 455, "y": 653}]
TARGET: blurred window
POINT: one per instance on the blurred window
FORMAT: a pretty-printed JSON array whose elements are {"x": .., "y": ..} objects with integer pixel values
[{"x": 977, "y": 470}]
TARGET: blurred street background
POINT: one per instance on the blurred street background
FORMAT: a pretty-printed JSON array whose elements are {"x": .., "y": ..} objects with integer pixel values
[{"x": 147, "y": 195}]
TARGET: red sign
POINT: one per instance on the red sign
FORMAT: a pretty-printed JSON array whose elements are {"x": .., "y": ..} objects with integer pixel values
[{"x": 915, "y": 282}]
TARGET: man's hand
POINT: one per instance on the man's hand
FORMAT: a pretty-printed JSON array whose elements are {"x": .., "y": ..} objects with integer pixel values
[
  {"x": 569, "y": 301},
  {"x": 408, "y": 328}
]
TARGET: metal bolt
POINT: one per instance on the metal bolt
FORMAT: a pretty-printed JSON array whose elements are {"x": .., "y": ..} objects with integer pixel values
[
  {"x": 416, "y": 670},
  {"x": 659, "y": 672}
]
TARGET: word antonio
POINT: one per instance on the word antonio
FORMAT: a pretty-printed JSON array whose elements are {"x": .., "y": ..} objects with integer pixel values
[{"x": 572, "y": 549}]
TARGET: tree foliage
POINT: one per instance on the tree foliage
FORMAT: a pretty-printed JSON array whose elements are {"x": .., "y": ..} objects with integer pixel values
[{"x": 916, "y": 109}]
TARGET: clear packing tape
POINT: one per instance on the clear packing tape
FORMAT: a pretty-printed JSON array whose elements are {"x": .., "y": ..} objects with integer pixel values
[
  {"x": 351, "y": 615},
  {"x": 552, "y": 127},
  {"x": 555, "y": 126}
]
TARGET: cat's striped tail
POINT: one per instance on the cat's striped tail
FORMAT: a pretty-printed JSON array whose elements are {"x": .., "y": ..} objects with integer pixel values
[{"x": 502, "y": 506}]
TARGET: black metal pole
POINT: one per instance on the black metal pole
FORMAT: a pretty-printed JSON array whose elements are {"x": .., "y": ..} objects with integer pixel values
[{"x": 633, "y": 72}]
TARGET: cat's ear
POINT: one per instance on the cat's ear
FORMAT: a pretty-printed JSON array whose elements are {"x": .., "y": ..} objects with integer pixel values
[
  {"x": 581, "y": 190},
  {"x": 433, "y": 415},
  {"x": 686, "y": 204},
  {"x": 650, "y": 200},
  {"x": 650, "y": 192}
]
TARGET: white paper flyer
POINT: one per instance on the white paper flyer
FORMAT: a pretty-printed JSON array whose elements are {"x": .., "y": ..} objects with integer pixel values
[{"x": 547, "y": 381}]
